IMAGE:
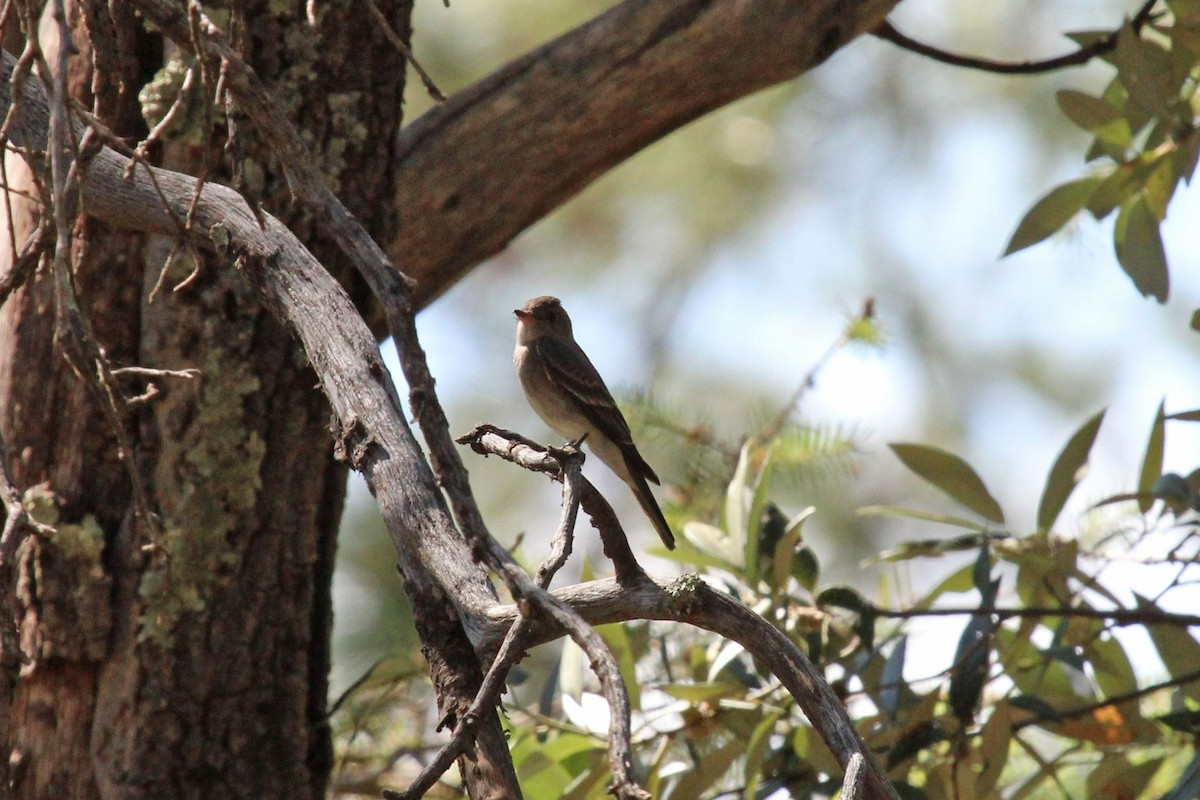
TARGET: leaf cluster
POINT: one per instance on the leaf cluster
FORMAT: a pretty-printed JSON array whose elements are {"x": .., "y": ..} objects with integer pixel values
[{"x": 1145, "y": 142}]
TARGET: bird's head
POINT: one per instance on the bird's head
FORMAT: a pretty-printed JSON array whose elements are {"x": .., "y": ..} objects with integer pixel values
[{"x": 541, "y": 316}]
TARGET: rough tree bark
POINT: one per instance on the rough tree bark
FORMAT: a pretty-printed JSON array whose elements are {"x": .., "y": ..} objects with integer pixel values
[
  {"x": 198, "y": 668},
  {"x": 181, "y": 673}
]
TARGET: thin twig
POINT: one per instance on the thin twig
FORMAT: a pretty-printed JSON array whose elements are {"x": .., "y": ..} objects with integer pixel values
[
  {"x": 889, "y": 33},
  {"x": 1119, "y": 617},
  {"x": 405, "y": 51},
  {"x": 1115, "y": 700},
  {"x": 524, "y": 452},
  {"x": 148, "y": 372}
]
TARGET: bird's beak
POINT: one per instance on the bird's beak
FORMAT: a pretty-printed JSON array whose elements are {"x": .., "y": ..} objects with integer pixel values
[{"x": 522, "y": 315}]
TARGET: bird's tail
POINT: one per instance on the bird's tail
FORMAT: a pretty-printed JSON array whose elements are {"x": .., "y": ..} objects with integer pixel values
[{"x": 641, "y": 490}]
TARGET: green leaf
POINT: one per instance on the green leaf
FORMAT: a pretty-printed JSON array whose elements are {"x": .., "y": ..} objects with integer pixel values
[
  {"x": 1117, "y": 187},
  {"x": 703, "y": 692},
  {"x": 711, "y": 546},
  {"x": 787, "y": 550},
  {"x": 706, "y": 772},
  {"x": 1187, "y": 154},
  {"x": 958, "y": 582},
  {"x": 1160, "y": 187},
  {"x": 952, "y": 475},
  {"x": 755, "y": 751},
  {"x": 1066, "y": 473},
  {"x": 1145, "y": 70},
  {"x": 1152, "y": 461},
  {"x": 1187, "y": 786},
  {"x": 994, "y": 746},
  {"x": 1052, "y": 212},
  {"x": 1178, "y": 649},
  {"x": 806, "y": 569},
  {"x": 616, "y": 636},
  {"x": 1086, "y": 111},
  {"x": 1116, "y": 777},
  {"x": 1111, "y": 665},
  {"x": 1140, "y": 249}
]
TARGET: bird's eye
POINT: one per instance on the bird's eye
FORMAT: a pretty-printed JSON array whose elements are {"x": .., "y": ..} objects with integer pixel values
[{"x": 552, "y": 316}]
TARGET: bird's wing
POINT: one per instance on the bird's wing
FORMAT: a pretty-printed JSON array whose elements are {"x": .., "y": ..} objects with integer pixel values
[{"x": 569, "y": 369}]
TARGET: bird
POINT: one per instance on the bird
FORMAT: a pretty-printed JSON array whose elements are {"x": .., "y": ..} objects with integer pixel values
[{"x": 569, "y": 395}]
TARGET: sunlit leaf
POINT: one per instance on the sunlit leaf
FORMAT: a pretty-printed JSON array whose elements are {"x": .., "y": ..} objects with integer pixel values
[
  {"x": 952, "y": 475},
  {"x": 616, "y": 636},
  {"x": 1111, "y": 665},
  {"x": 737, "y": 497},
  {"x": 700, "y": 692},
  {"x": 1067, "y": 472},
  {"x": 1052, "y": 212},
  {"x": 759, "y": 740},
  {"x": 715, "y": 547},
  {"x": 707, "y": 771},
  {"x": 1178, "y": 649},
  {"x": 997, "y": 733},
  {"x": 1140, "y": 249},
  {"x": 1187, "y": 787},
  {"x": 1160, "y": 187}
]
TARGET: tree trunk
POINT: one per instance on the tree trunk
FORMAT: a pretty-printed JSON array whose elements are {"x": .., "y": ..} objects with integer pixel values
[{"x": 194, "y": 665}]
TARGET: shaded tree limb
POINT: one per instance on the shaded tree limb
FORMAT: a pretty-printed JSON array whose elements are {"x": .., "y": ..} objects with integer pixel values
[
  {"x": 513, "y": 646},
  {"x": 688, "y": 599},
  {"x": 502, "y": 153},
  {"x": 888, "y": 32}
]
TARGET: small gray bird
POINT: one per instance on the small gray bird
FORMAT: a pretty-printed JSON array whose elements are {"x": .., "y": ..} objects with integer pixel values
[{"x": 569, "y": 395}]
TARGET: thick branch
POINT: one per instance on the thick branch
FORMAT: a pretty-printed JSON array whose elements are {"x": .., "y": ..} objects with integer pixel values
[
  {"x": 476, "y": 171},
  {"x": 690, "y": 600}
]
